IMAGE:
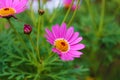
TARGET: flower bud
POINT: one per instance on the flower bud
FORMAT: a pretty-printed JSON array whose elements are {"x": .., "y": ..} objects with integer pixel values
[
  {"x": 27, "y": 29},
  {"x": 41, "y": 12}
]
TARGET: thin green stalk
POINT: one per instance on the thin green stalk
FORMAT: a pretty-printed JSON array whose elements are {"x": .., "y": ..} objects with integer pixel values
[
  {"x": 31, "y": 41},
  {"x": 50, "y": 54},
  {"x": 31, "y": 55},
  {"x": 31, "y": 13},
  {"x": 38, "y": 36},
  {"x": 36, "y": 76},
  {"x": 42, "y": 26},
  {"x": 20, "y": 38},
  {"x": 91, "y": 13},
  {"x": 102, "y": 18},
  {"x": 74, "y": 13},
  {"x": 96, "y": 42},
  {"x": 68, "y": 11},
  {"x": 38, "y": 4},
  {"x": 101, "y": 27}
]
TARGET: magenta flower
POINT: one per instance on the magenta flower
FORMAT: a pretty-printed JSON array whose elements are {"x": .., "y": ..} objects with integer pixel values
[
  {"x": 67, "y": 4},
  {"x": 65, "y": 41},
  {"x": 10, "y": 7},
  {"x": 27, "y": 29}
]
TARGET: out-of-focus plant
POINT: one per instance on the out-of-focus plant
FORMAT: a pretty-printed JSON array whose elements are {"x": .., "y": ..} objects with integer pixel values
[
  {"x": 101, "y": 31},
  {"x": 24, "y": 53}
]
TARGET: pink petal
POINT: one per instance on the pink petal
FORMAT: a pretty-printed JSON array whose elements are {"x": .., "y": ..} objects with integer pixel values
[
  {"x": 20, "y": 10},
  {"x": 15, "y": 3},
  {"x": 49, "y": 40},
  {"x": 66, "y": 57},
  {"x": 67, "y": 2},
  {"x": 77, "y": 47},
  {"x": 8, "y": 3},
  {"x": 56, "y": 51},
  {"x": 46, "y": 36},
  {"x": 75, "y": 53},
  {"x": 74, "y": 7},
  {"x": 55, "y": 31},
  {"x": 69, "y": 33},
  {"x": 76, "y": 41},
  {"x": 2, "y": 3},
  {"x": 75, "y": 36},
  {"x": 21, "y": 5},
  {"x": 50, "y": 34},
  {"x": 63, "y": 30}
]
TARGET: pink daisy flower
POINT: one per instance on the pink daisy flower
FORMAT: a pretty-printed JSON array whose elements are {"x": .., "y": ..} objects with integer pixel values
[
  {"x": 10, "y": 7},
  {"x": 67, "y": 4},
  {"x": 65, "y": 41}
]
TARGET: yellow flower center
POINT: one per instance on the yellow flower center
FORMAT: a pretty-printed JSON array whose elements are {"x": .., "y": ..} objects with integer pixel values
[
  {"x": 61, "y": 44},
  {"x": 7, "y": 12}
]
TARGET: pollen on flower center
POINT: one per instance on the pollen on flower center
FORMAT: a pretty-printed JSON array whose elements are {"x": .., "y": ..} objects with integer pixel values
[
  {"x": 62, "y": 45},
  {"x": 7, "y": 11}
]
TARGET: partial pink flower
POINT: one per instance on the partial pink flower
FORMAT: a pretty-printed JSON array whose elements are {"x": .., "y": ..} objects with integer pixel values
[
  {"x": 12, "y": 7},
  {"x": 65, "y": 41},
  {"x": 67, "y": 4}
]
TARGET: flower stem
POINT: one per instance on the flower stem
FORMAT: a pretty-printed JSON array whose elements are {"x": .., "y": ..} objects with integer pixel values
[
  {"x": 38, "y": 4},
  {"x": 68, "y": 11},
  {"x": 102, "y": 18},
  {"x": 38, "y": 34},
  {"x": 74, "y": 13},
  {"x": 91, "y": 13},
  {"x": 98, "y": 36},
  {"x": 31, "y": 41},
  {"x": 31, "y": 13},
  {"x": 21, "y": 39}
]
